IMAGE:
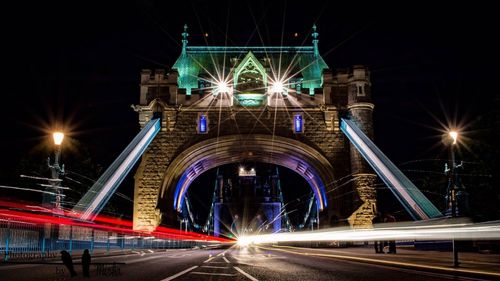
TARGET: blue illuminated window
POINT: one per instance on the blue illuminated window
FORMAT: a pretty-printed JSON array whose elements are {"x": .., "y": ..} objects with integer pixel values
[
  {"x": 202, "y": 124},
  {"x": 298, "y": 124}
]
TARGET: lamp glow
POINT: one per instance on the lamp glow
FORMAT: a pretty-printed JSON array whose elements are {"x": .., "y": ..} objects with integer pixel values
[
  {"x": 277, "y": 87},
  {"x": 222, "y": 87},
  {"x": 244, "y": 241},
  {"x": 454, "y": 136},
  {"x": 58, "y": 138}
]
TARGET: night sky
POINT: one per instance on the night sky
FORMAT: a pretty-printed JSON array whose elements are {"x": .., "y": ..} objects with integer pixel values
[{"x": 78, "y": 62}]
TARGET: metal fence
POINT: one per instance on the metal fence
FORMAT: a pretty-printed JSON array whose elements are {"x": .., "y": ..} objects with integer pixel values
[{"x": 25, "y": 240}]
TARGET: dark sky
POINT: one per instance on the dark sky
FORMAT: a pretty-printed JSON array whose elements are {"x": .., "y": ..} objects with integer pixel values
[{"x": 78, "y": 62}]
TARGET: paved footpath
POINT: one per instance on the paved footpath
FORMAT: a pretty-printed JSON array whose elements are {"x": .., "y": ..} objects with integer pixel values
[{"x": 470, "y": 262}]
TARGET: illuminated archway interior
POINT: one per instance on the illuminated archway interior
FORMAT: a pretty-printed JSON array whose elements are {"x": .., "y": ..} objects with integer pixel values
[{"x": 289, "y": 153}]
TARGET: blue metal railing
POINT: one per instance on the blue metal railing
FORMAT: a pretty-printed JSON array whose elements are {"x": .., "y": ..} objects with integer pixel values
[{"x": 22, "y": 241}]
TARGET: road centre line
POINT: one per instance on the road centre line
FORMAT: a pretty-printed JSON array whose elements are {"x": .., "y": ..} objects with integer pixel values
[
  {"x": 212, "y": 266},
  {"x": 209, "y": 259},
  {"x": 179, "y": 274},
  {"x": 246, "y": 274},
  {"x": 209, "y": 273}
]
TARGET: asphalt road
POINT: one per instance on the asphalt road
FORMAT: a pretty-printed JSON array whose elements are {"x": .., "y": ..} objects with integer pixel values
[{"x": 235, "y": 263}]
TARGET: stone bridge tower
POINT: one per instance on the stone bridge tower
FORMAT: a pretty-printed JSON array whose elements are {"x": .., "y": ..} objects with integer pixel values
[{"x": 278, "y": 105}]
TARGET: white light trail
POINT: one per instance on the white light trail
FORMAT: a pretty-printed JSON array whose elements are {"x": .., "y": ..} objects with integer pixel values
[
  {"x": 54, "y": 186},
  {"x": 39, "y": 178},
  {"x": 30, "y": 189},
  {"x": 458, "y": 231}
]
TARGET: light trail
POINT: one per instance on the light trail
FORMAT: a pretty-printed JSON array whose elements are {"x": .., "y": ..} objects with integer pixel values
[
  {"x": 161, "y": 232},
  {"x": 30, "y": 189},
  {"x": 453, "y": 230},
  {"x": 54, "y": 186},
  {"x": 39, "y": 178},
  {"x": 36, "y": 214}
]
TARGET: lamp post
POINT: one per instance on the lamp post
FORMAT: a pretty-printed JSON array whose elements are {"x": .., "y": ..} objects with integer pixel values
[
  {"x": 56, "y": 170},
  {"x": 452, "y": 189}
]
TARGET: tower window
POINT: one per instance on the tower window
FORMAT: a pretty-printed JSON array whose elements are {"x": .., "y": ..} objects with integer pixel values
[
  {"x": 203, "y": 84},
  {"x": 361, "y": 90},
  {"x": 202, "y": 124},
  {"x": 298, "y": 124}
]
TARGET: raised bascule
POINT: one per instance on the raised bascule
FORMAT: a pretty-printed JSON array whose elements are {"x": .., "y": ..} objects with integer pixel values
[{"x": 279, "y": 105}]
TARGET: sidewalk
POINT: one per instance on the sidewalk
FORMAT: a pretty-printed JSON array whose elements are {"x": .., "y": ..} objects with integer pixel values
[
  {"x": 98, "y": 253},
  {"x": 470, "y": 262}
]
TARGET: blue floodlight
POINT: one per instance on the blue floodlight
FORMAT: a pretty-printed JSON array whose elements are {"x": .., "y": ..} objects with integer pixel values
[
  {"x": 298, "y": 123},
  {"x": 202, "y": 124}
]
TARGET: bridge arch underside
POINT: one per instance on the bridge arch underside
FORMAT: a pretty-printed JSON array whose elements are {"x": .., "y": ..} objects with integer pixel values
[{"x": 212, "y": 153}]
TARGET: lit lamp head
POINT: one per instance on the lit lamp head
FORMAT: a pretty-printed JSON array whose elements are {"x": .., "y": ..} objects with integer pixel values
[
  {"x": 454, "y": 136},
  {"x": 58, "y": 138},
  {"x": 277, "y": 87},
  {"x": 222, "y": 87}
]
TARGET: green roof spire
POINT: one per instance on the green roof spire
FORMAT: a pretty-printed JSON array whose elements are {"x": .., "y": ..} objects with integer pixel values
[
  {"x": 315, "y": 41},
  {"x": 184, "y": 39}
]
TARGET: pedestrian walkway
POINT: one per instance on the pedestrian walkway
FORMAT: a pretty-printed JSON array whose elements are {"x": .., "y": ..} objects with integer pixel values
[
  {"x": 97, "y": 253},
  {"x": 470, "y": 262}
]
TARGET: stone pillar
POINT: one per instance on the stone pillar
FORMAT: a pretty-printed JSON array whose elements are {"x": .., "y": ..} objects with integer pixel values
[
  {"x": 147, "y": 183},
  {"x": 148, "y": 178},
  {"x": 360, "y": 111}
]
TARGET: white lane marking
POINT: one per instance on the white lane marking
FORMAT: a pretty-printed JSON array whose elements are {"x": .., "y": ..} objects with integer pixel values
[
  {"x": 212, "y": 266},
  {"x": 209, "y": 259},
  {"x": 246, "y": 274},
  {"x": 151, "y": 251},
  {"x": 179, "y": 274},
  {"x": 209, "y": 273},
  {"x": 222, "y": 254},
  {"x": 226, "y": 260},
  {"x": 142, "y": 260}
]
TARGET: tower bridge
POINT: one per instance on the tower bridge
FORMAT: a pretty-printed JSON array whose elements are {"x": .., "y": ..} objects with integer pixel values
[{"x": 281, "y": 105}]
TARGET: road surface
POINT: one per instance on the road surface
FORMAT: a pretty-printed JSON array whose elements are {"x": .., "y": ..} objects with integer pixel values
[{"x": 235, "y": 263}]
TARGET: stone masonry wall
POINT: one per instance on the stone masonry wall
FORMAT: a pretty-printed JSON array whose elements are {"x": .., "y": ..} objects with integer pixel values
[{"x": 168, "y": 144}]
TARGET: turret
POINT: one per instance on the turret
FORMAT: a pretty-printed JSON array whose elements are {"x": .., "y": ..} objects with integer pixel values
[
  {"x": 360, "y": 107},
  {"x": 185, "y": 34},
  {"x": 315, "y": 41}
]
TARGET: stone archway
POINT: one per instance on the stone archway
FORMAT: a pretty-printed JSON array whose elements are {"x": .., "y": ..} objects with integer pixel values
[{"x": 211, "y": 153}]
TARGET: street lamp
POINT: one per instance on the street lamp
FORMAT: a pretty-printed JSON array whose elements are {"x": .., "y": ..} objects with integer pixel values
[
  {"x": 452, "y": 189},
  {"x": 451, "y": 196},
  {"x": 56, "y": 170}
]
